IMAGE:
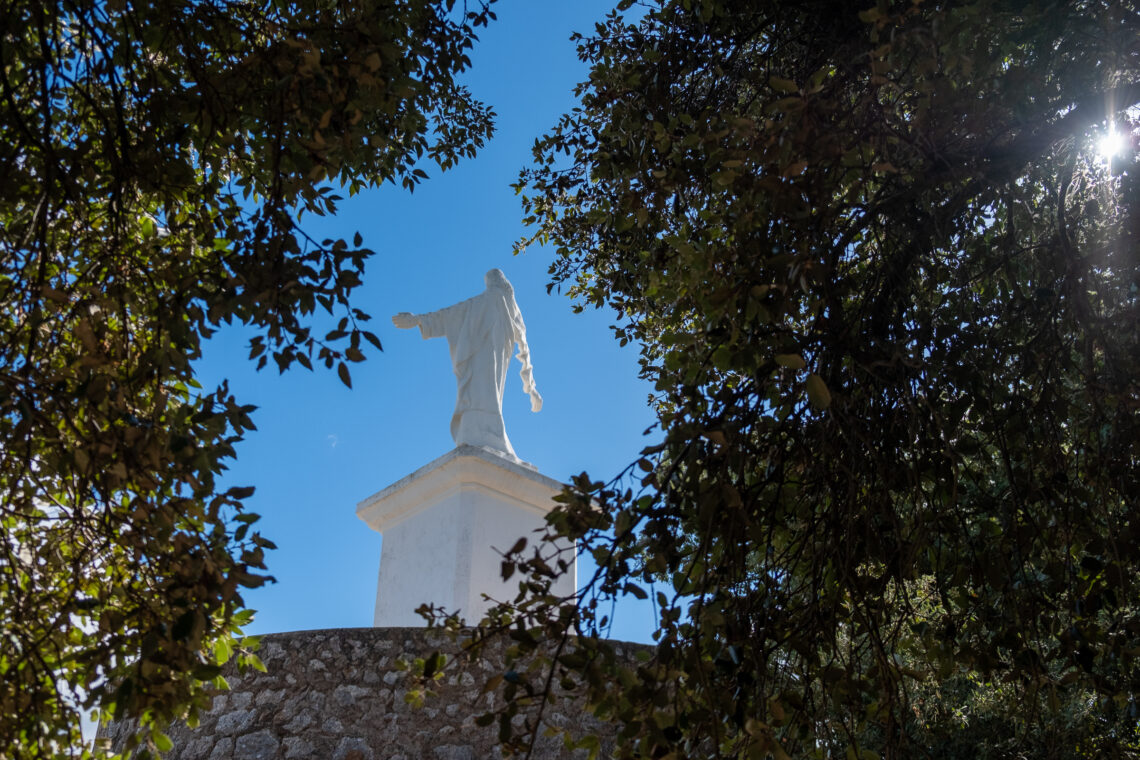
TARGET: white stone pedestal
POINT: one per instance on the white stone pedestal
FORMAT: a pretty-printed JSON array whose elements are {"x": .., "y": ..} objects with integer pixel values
[{"x": 444, "y": 529}]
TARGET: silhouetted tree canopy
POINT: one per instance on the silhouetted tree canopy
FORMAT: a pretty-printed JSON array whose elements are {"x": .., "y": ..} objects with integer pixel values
[
  {"x": 887, "y": 290},
  {"x": 156, "y": 157}
]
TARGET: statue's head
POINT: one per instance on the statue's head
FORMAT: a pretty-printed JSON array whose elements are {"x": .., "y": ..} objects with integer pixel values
[{"x": 496, "y": 279}]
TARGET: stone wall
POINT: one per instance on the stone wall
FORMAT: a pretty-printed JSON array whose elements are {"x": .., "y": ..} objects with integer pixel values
[{"x": 337, "y": 695}]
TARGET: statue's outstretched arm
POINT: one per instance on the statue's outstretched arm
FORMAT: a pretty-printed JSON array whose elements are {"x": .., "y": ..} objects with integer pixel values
[{"x": 405, "y": 320}]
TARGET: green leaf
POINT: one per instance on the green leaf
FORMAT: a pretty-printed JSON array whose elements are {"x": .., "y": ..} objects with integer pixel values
[
  {"x": 871, "y": 15},
  {"x": 779, "y": 84},
  {"x": 818, "y": 394},
  {"x": 791, "y": 361},
  {"x": 222, "y": 651},
  {"x": 637, "y": 591},
  {"x": 371, "y": 338}
]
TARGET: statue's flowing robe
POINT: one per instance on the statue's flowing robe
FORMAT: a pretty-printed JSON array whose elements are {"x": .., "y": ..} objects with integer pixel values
[{"x": 481, "y": 333}]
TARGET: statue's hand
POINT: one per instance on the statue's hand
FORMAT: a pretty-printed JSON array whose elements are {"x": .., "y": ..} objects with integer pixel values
[
  {"x": 535, "y": 402},
  {"x": 405, "y": 320}
]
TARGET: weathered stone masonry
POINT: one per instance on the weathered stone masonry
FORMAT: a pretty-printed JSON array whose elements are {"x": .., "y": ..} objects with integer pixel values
[{"x": 337, "y": 695}]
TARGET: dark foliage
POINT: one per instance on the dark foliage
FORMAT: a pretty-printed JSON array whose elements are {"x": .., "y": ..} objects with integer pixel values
[
  {"x": 888, "y": 293},
  {"x": 156, "y": 157}
]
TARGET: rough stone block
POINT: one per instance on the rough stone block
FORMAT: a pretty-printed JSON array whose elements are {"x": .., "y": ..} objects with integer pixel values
[
  {"x": 297, "y": 748},
  {"x": 234, "y": 722},
  {"x": 353, "y": 748},
  {"x": 223, "y": 750},
  {"x": 454, "y": 752},
  {"x": 260, "y": 745}
]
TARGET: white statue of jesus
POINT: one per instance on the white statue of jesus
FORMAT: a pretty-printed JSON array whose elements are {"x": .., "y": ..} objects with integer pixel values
[{"x": 481, "y": 333}]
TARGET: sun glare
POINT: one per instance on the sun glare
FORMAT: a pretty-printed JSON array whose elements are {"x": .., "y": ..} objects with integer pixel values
[{"x": 1110, "y": 145}]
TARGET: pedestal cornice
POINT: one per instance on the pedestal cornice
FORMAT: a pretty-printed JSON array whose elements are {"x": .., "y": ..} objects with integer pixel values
[{"x": 464, "y": 466}]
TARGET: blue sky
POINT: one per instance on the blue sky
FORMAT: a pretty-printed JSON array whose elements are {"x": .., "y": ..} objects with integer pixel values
[{"x": 320, "y": 448}]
